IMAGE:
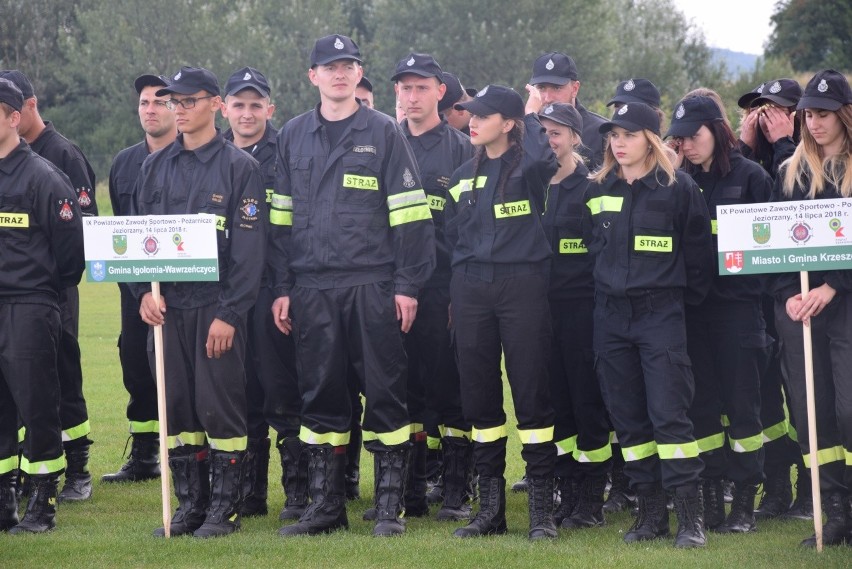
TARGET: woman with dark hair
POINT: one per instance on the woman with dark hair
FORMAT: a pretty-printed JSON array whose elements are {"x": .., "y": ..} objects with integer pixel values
[
  {"x": 726, "y": 334},
  {"x": 821, "y": 168},
  {"x": 649, "y": 231},
  {"x": 500, "y": 259}
]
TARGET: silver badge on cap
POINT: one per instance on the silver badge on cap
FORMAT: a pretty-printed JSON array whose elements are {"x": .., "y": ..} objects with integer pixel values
[
  {"x": 775, "y": 87},
  {"x": 338, "y": 44},
  {"x": 759, "y": 88},
  {"x": 177, "y": 77},
  {"x": 680, "y": 112},
  {"x": 247, "y": 76},
  {"x": 482, "y": 91},
  {"x": 822, "y": 87},
  {"x": 630, "y": 85},
  {"x": 410, "y": 62},
  {"x": 549, "y": 65},
  {"x": 548, "y": 110},
  {"x": 622, "y": 110}
]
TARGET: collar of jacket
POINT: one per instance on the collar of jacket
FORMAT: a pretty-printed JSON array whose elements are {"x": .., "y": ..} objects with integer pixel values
[
  {"x": 203, "y": 153},
  {"x": 358, "y": 123},
  {"x": 11, "y": 161},
  {"x": 431, "y": 137}
]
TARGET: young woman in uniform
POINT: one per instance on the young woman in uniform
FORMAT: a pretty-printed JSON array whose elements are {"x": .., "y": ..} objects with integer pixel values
[
  {"x": 650, "y": 234},
  {"x": 821, "y": 168},
  {"x": 500, "y": 259}
]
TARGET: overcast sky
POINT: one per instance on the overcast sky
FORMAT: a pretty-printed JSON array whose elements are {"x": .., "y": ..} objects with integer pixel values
[{"x": 738, "y": 25}]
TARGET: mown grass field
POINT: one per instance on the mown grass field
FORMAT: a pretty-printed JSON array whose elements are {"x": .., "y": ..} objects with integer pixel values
[{"x": 114, "y": 528}]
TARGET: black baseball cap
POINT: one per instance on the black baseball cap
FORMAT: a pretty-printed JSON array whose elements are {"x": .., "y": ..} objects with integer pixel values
[
  {"x": 633, "y": 117},
  {"x": 828, "y": 90},
  {"x": 10, "y": 94},
  {"x": 332, "y": 48},
  {"x": 148, "y": 80},
  {"x": 20, "y": 80},
  {"x": 421, "y": 64},
  {"x": 691, "y": 113},
  {"x": 365, "y": 83},
  {"x": 190, "y": 80},
  {"x": 744, "y": 102},
  {"x": 636, "y": 91},
  {"x": 554, "y": 67},
  {"x": 494, "y": 99},
  {"x": 783, "y": 92},
  {"x": 453, "y": 93},
  {"x": 247, "y": 78},
  {"x": 564, "y": 114}
]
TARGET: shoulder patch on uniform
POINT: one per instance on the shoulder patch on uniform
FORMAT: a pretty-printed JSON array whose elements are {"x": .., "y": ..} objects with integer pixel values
[
  {"x": 408, "y": 179},
  {"x": 83, "y": 197},
  {"x": 249, "y": 209},
  {"x": 64, "y": 210},
  {"x": 365, "y": 148}
]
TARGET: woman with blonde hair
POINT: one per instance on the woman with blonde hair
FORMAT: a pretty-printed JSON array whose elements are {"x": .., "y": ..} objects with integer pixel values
[
  {"x": 821, "y": 168},
  {"x": 649, "y": 230}
]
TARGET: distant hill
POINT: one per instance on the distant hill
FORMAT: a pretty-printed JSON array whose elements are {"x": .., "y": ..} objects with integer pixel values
[{"x": 736, "y": 62}]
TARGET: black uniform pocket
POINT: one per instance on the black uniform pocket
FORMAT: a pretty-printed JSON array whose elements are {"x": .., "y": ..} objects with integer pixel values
[
  {"x": 360, "y": 181},
  {"x": 300, "y": 175},
  {"x": 16, "y": 219},
  {"x": 653, "y": 235}
]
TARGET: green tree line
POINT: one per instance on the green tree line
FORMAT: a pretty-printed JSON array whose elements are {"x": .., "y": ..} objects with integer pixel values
[{"x": 83, "y": 56}]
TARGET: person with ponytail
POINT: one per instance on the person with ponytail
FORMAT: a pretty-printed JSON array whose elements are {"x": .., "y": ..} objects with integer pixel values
[
  {"x": 821, "y": 168},
  {"x": 500, "y": 258},
  {"x": 649, "y": 230},
  {"x": 726, "y": 334}
]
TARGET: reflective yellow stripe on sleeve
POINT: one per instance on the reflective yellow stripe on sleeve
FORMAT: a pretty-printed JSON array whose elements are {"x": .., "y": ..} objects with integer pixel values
[
  {"x": 282, "y": 210},
  {"x": 714, "y": 226},
  {"x": 603, "y": 204},
  {"x": 407, "y": 207}
]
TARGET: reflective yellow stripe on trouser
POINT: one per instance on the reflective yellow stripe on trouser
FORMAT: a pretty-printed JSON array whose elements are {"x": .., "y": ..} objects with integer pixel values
[
  {"x": 775, "y": 432},
  {"x": 677, "y": 450},
  {"x": 639, "y": 452},
  {"x": 8, "y": 464},
  {"x": 826, "y": 455},
  {"x": 566, "y": 446},
  {"x": 43, "y": 467},
  {"x": 77, "y": 432},
  {"x": 490, "y": 435},
  {"x": 536, "y": 436},
  {"x": 235, "y": 444},
  {"x": 433, "y": 443},
  {"x": 597, "y": 455},
  {"x": 453, "y": 432},
  {"x": 747, "y": 444},
  {"x": 309, "y": 437},
  {"x": 391, "y": 439},
  {"x": 196, "y": 439},
  {"x": 848, "y": 455},
  {"x": 712, "y": 442},
  {"x": 138, "y": 427}
]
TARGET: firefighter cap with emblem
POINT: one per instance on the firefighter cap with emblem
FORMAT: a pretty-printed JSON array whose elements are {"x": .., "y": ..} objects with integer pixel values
[
  {"x": 11, "y": 95},
  {"x": 633, "y": 117},
  {"x": 421, "y": 64},
  {"x": 554, "y": 68},
  {"x": 494, "y": 99},
  {"x": 191, "y": 80},
  {"x": 827, "y": 90},
  {"x": 247, "y": 78},
  {"x": 333, "y": 48},
  {"x": 782, "y": 92},
  {"x": 636, "y": 91},
  {"x": 691, "y": 113}
]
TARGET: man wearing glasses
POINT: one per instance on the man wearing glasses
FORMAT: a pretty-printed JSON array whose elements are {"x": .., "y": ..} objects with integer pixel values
[
  {"x": 158, "y": 122},
  {"x": 204, "y": 323}
]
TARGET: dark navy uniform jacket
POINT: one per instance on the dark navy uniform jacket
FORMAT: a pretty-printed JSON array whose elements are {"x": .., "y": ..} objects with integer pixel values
[
  {"x": 571, "y": 267},
  {"x": 220, "y": 179},
  {"x": 484, "y": 230},
  {"x": 439, "y": 152},
  {"x": 123, "y": 175},
  {"x": 68, "y": 157},
  {"x": 350, "y": 215},
  {"x": 649, "y": 236},
  {"x": 264, "y": 151},
  {"x": 41, "y": 229}
]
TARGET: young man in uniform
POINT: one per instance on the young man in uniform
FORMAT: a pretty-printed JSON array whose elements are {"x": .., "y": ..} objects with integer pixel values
[
  {"x": 65, "y": 155},
  {"x": 433, "y": 378},
  {"x": 42, "y": 253},
  {"x": 204, "y": 330},
  {"x": 555, "y": 76},
  {"x": 364, "y": 92},
  {"x": 352, "y": 243},
  {"x": 158, "y": 123},
  {"x": 459, "y": 119}
]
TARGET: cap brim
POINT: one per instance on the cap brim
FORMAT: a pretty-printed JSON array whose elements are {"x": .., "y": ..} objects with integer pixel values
[
  {"x": 552, "y": 79},
  {"x": 148, "y": 81},
  {"x": 425, "y": 74},
  {"x": 627, "y": 99},
  {"x": 626, "y": 125},
  {"x": 542, "y": 117},
  {"x": 823, "y": 103},
  {"x": 744, "y": 102},
  {"x": 179, "y": 89},
  {"x": 774, "y": 99},
  {"x": 334, "y": 58},
  {"x": 475, "y": 107},
  {"x": 682, "y": 129},
  {"x": 243, "y": 86}
]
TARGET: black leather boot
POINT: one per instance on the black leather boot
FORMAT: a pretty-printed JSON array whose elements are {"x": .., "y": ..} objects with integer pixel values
[
  {"x": 652, "y": 521},
  {"x": 294, "y": 478},
  {"x": 589, "y": 510},
  {"x": 78, "y": 480},
  {"x": 458, "y": 471},
  {"x": 353, "y": 465},
  {"x": 521, "y": 485},
  {"x": 714, "y": 502},
  {"x": 569, "y": 493},
  {"x": 255, "y": 478},
  {"x": 835, "y": 528},
  {"x": 143, "y": 462},
  {"x": 491, "y": 518},
  {"x": 741, "y": 517},
  {"x": 620, "y": 497},
  {"x": 327, "y": 511},
  {"x": 191, "y": 478},
  {"x": 803, "y": 505},
  {"x": 434, "y": 479},
  {"x": 688, "y": 506},
  {"x": 777, "y": 494},
  {"x": 40, "y": 515},
  {"x": 416, "y": 505},
  {"x": 8, "y": 501},
  {"x": 540, "y": 500},
  {"x": 389, "y": 491},
  {"x": 223, "y": 513}
]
